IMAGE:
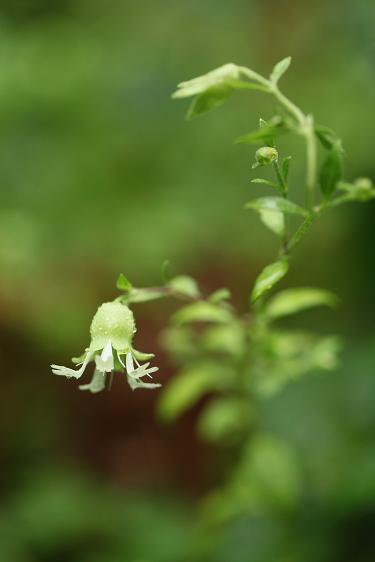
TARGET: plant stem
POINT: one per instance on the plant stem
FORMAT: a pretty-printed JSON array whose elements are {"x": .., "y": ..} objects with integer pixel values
[{"x": 306, "y": 123}]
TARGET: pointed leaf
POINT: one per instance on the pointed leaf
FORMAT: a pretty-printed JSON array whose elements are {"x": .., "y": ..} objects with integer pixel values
[
  {"x": 291, "y": 301},
  {"x": 331, "y": 171},
  {"x": 123, "y": 283},
  {"x": 184, "y": 285},
  {"x": 265, "y": 182},
  {"x": 202, "y": 311},
  {"x": 279, "y": 69},
  {"x": 274, "y": 220},
  {"x": 278, "y": 204},
  {"x": 214, "y": 97},
  {"x": 270, "y": 275}
]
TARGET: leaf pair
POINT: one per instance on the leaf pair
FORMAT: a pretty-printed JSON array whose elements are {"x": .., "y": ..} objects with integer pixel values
[{"x": 213, "y": 89}]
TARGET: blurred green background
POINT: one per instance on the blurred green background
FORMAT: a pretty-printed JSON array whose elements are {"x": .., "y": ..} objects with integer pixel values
[{"x": 99, "y": 174}]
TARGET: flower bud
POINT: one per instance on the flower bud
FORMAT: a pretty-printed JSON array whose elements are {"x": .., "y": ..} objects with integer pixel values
[
  {"x": 266, "y": 155},
  {"x": 112, "y": 322}
]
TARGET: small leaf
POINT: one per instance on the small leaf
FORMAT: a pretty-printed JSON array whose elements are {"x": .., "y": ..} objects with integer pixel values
[
  {"x": 184, "y": 285},
  {"x": 331, "y": 171},
  {"x": 279, "y": 69},
  {"x": 220, "y": 295},
  {"x": 278, "y": 204},
  {"x": 266, "y": 134},
  {"x": 202, "y": 311},
  {"x": 265, "y": 182},
  {"x": 218, "y": 77},
  {"x": 186, "y": 388},
  {"x": 225, "y": 419},
  {"x": 285, "y": 167},
  {"x": 208, "y": 100},
  {"x": 270, "y": 275},
  {"x": 165, "y": 271},
  {"x": 327, "y": 136},
  {"x": 123, "y": 283},
  {"x": 274, "y": 220},
  {"x": 291, "y": 301}
]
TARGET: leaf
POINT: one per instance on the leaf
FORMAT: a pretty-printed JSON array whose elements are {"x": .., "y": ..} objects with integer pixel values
[
  {"x": 220, "y": 295},
  {"x": 278, "y": 204},
  {"x": 165, "y": 271},
  {"x": 270, "y": 275},
  {"x": 123, "y": 283},
  {"x": 224, "y": 419},
  {"x": 291, "y": 301},
  {"x": 273, "y": 220},
  {"x": 285, "y": 167},
  {"x": 186, "y": 388},
  {"x": 214, "y": 97},
  {"x": 331, "y": 171},
  {"x": 268, "y": 476},
  {"x": 265, "y": 182},
  {"x": 202, "y": 311},
  {"x": 184, "y": 285},
  {"x": 327, "y": 136},
  {"x": 266, "y": 134},
  {"x": 224, "y": 339},
  {"x": 219, "y": 77},
  {"x": 212, "y": 89},
  {"x": 279, "y": 69}
]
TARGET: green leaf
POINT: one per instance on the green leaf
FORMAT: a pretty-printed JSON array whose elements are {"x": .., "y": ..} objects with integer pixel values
[
  {"x": 186, "y": 388},
  {"x": 123, "y": 283},
  {"x": 220, "y": 295},
  {"x": 217, "y": 78},
  {"x": 165, "y": 271},
  {"x": 265, "y": 182},
  {"x": 291, "y": 301},
  {"x": 331, "y": 171},
  {"x": 214, "y": 97},
  {"x": 224, "y": 339},
  {"x": 268, "y": 476},
  {"x": 224, "y": 419},
  {"x": 270, "y": 275},
  {"x": 184, "y": 285},
  {"x": 273, "y": 220},
  {"x": 265, "y": 134},
  {"x": 202, "y": 311},
  {"x": 278, "y": 204},
  {"x": 327, "y": 136},
  {"x": 279, "y": 69},
  {"x": 285, "y": 167},
  {"x": 212, "y": 89}
]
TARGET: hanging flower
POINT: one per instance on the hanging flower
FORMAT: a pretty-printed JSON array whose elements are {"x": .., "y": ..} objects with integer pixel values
[{"x": 112, "y": 330}]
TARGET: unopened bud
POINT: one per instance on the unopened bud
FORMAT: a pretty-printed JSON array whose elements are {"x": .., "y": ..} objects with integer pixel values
[{"x": 266, "y": 155}]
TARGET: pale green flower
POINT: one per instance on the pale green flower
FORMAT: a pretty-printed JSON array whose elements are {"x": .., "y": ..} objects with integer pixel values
[{"x": 112, "y": 330}]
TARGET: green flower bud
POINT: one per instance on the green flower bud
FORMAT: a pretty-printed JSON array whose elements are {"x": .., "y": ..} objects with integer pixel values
[
  {"x": 112, "y": 322},
  {"x": 266, "y": 155}
]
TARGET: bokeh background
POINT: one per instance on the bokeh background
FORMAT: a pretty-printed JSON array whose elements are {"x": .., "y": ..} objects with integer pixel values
[{"x": 99, "y": 174}]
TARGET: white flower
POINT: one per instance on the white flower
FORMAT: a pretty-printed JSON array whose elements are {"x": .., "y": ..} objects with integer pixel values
[{"x": 112, "y": 331}]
